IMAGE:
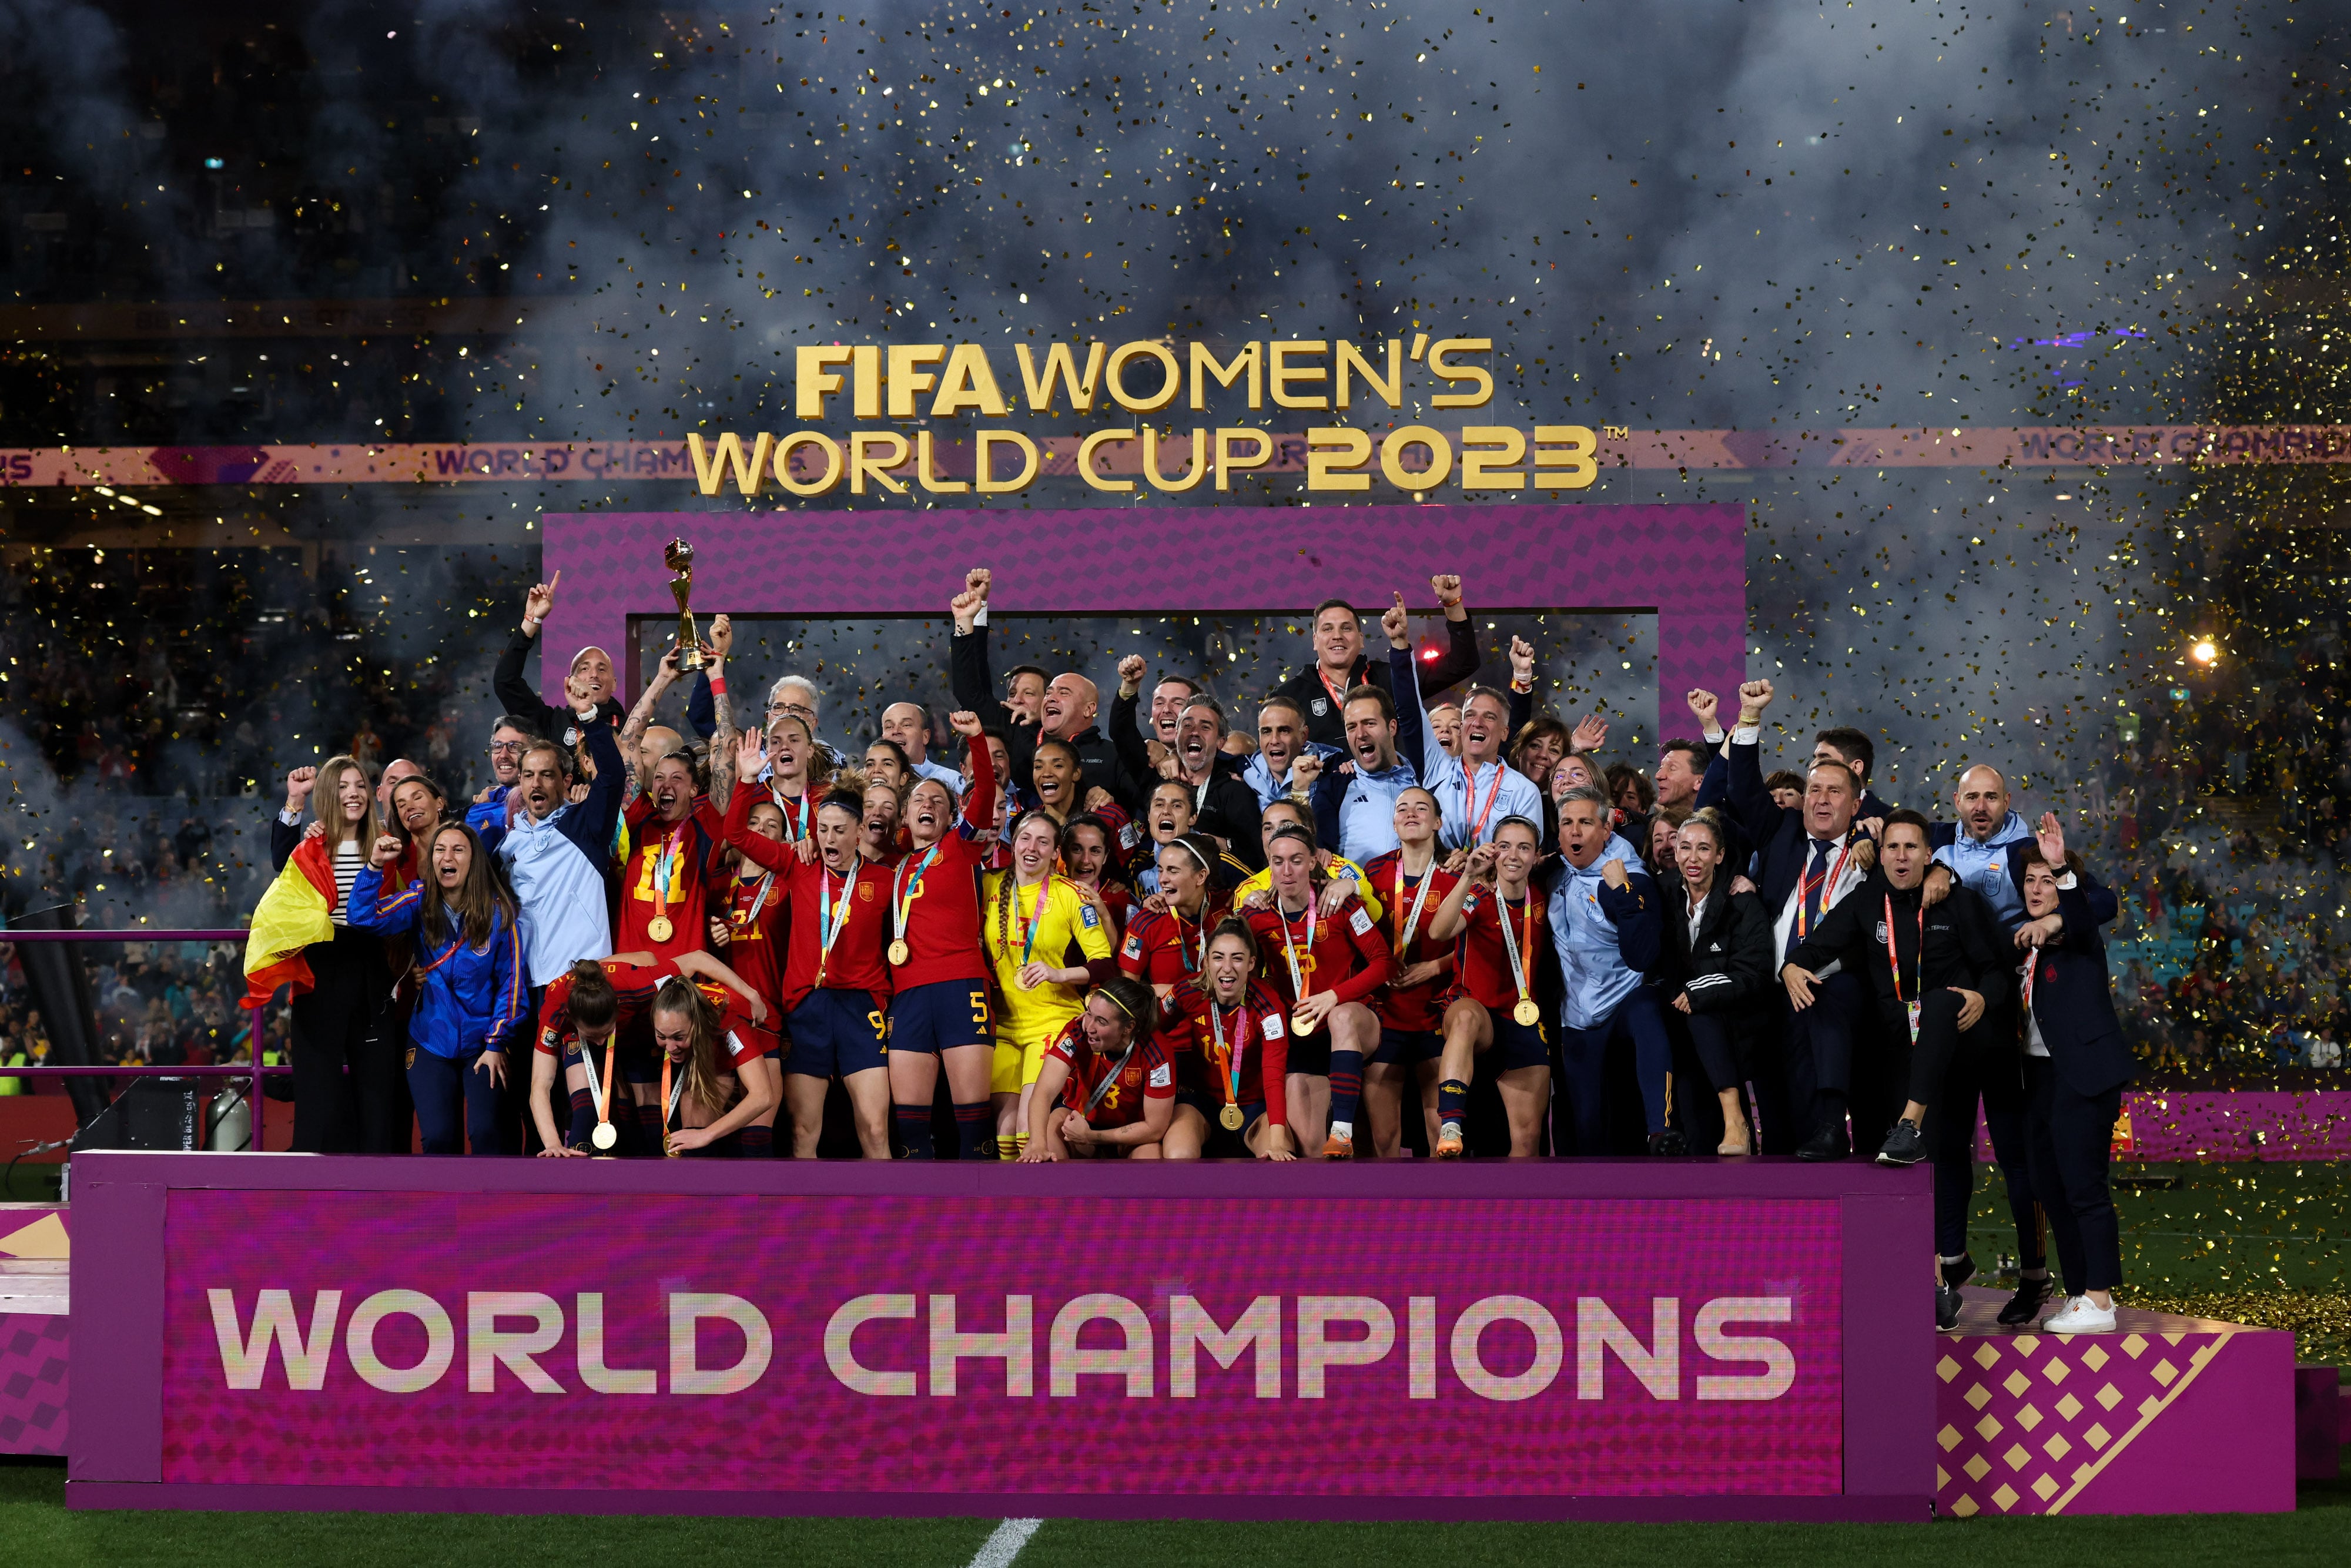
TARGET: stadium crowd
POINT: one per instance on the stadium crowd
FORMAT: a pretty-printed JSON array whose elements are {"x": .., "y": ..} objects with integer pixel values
[{"x": 1038, "y": 932}]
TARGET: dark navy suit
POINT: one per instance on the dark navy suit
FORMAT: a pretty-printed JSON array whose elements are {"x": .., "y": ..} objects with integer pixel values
[{"x": 2074, "y": 1093}]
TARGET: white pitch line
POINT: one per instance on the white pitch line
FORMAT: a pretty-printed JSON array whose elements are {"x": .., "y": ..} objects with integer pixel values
[{"x": 1000, "y": 1548}]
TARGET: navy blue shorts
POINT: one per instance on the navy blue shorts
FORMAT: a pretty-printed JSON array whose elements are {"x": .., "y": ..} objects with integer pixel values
[
  {"x": 838, "y": 1032},
  {"x": 1410, "y": 1045},
  {"x": 1517, "y": 1044},
  {"x": 1311, "y": 1053},
  {"x": 940, "y": 1016},
  {"x": 1211, "y": 1105}
]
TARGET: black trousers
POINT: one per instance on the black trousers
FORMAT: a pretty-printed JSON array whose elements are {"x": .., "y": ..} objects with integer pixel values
[
  {"x": 1821, "y": 1049},
  {"x": 2069, "y": 1136},
  {"x": 349, "y": 1094},
  {"x": 1986, "y": 1069}
]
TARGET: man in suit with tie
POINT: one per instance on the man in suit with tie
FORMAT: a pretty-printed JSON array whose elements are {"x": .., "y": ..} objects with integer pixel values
[
  {"x": 1810, "y": 856},
  {"x": 2075, "y": 1065}
]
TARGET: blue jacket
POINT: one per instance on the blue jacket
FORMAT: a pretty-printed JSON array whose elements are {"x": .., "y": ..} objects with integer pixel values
[
  {"x": 555, "y": 868},
  {"x": 2072, "y": 1000},
  {"x": 1606, "y": 938},
  {"x": 474, "y": 997},
  {"x": 1260, "y": 777},
  {"x": 1990, "y": 868},
  {"x": 488, "y": 818}
]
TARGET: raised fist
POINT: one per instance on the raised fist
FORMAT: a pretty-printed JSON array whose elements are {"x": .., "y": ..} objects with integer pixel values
[{"x": 1448, "y": 589}]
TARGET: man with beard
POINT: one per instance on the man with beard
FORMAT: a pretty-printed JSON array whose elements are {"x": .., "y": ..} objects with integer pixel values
[
  {"x": 1476, "y": 790},
  {"x": 1222, "y": 805},
  {"x": 487, "y": 815},
  {"x": 1280, "y": 743},
  {"x": 1340, "y": 664},
  {"x": 554, "y": 853},
  {"x": 591, "y": 668},
  {"x": 1065, "y": 712}
]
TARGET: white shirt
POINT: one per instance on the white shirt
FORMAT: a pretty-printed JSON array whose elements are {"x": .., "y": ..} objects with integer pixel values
[
  {"x": 1697, "y": 914},
  {"x": 1844, "y": 873}
]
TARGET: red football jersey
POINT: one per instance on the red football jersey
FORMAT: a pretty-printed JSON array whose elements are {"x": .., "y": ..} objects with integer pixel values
[
  {"x": 857, "y": 961},
  {"x": 943, "y": 897},
  {"x": 1256, "y": 1045},
  {"x": 754, "y": 909},
  {"x": 635, "y": 985},
  {"x": 1413, "y": 1009},
  {"x": 1162, "y": 947},
  {"x": 1340, "y": 953},
  {"x": 1482, "y": 967},
  {"x": 1147, "y": 1075},
  {"x": 670, "y": 874}
]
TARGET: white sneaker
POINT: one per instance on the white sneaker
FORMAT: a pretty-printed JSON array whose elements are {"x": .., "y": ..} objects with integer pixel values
[{"x": 2080, "y": 1316}]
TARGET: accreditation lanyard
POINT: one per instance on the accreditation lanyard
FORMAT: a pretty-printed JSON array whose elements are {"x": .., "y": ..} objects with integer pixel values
[
  {"x": 1493, "y": 798},
  {"x": 1894, "y": 961},
  {"x": 1826, "y": 882},
  {"x": 665, "y": 864},
  {"x": 1338, "y": 690},
  {"x": 1228, "y": 1056},
  {"x": 1412, "y": 919},
  {"x": 1514, "y": 948},
  {"x": 1290, "y": 948},
  {"x": 830, "y": 916},
  {"x": 904, "y": 892}
]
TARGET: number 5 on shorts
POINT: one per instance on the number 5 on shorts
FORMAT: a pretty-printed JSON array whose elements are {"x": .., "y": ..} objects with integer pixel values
[{"x": 979, "y": 1009}]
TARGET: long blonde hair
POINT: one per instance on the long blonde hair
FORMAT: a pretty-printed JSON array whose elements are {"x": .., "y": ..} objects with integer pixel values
[
  {"x": 327, "y": 807},
  {"x": 704, "y": 1021}
]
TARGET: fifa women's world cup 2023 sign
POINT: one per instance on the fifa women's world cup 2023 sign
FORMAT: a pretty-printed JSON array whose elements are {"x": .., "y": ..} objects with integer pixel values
[{"x": 1134, "y": 389}]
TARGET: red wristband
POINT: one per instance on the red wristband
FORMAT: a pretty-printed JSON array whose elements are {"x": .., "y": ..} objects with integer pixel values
[{"x": 718, "y": 685}]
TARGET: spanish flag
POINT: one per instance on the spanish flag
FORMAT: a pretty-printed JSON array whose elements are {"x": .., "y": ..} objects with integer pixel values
[{"x": 292, "y": 915}]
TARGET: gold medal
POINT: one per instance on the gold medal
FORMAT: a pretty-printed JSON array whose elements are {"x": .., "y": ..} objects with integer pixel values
[
  {"x": 605, "y": 1136},
  {"x": 898, "y": 951},
  {"x": 1231, "y": 1117},
  {"x": 1302, "y": 1022},
  {"x": 1526, "y": 1012},
  {"x": 659, "y": 928}
]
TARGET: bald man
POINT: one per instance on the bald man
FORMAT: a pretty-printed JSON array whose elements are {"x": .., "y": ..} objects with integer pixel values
[
  {"x": 1066, "y": 714},
  {"x": 1979, "y": 848}
]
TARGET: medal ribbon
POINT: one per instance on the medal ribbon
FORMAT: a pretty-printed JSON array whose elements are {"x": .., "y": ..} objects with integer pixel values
[
  {"x": 831, "y": 917},
  {"x": 1228, "y": 1057},
  {"x": 1412, "y": 920},
  {"x": 750, "y": 919},
  {"x": 1510, "y": 943},
  {"x": 795, "y": 810},
  {"x": 1102, "y": 1089},
  {"x": 901, "y": 892},
  {"x": 1289, "y": 949},
  {"x": 600, "y": 1086},
  {"x": 1036, "y": 918}
]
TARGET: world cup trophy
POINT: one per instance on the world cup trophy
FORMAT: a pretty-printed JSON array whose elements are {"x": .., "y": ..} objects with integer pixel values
[{"x": 679, "y": 556}]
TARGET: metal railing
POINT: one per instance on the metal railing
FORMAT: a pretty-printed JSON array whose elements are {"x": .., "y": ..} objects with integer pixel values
[{"x": 256, "y": 1071}]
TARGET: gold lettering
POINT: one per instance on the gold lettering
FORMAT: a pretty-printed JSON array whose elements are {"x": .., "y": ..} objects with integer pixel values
[
  {"x": 711, "y": 473},
  {"x": 1144, "y": 349},
  {"x": 832, "y": 465},
  {"x": 814, "y": 378},
  {"x": 923, "y": 471},
  {"x": 865, "y": 384},
  {"x": 968, "y": 382},
  {"x": 1195, "y": 470},
  {"x": 1086, "y": 461},
  {"x": 907, "y": 377},
  {"x": 1567, "y": 446},
  {"x": 1228, "y": 462},
  {"x": 1391, "y": 392},
  {"x": 1059, "y": 365},
  {"x": 983, "y": 466},
  {"x": 863, "y": 465},
  {"x": 1438, "y": 366},
  {"x": 1486, "y": 448},
  {"x": 1245, "y": 360},
  {"x": 1332, "y": 452},
  {"x": 1280, "y": 374},
  {"x": 1440, "y": 457}
]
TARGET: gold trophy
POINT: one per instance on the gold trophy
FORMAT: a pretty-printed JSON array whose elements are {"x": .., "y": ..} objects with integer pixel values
[{"x": 679, "y": 556}]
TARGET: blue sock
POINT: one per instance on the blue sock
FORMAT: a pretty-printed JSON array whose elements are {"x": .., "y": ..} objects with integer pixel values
[{"x": 914, "y": 1131}]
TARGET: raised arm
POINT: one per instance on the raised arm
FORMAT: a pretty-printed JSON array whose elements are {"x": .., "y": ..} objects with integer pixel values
[
  {"x": 721, "y": 734},
  {"x": 1126, "y": 738},
  {"x": 1416, "y": 739},
  {"x": 512, "y": 687},
  {"x": 1460, "y": 659},
  {"x": 641, "y": 718},
  {"x": 600, "y": 813},
  {"x": 967, "y": 674},
  {"x": 1758, "y": 815},
  {"x": 373, "y": 906},
  {"x": 979, "y": 800}
]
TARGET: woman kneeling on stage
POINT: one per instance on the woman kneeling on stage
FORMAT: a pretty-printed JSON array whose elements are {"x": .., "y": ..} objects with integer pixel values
[
  {"x": 716, "y": 1077},
  {"x": 1229, "y": 1039},
  {"x": 1107, "y": 1089}
]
